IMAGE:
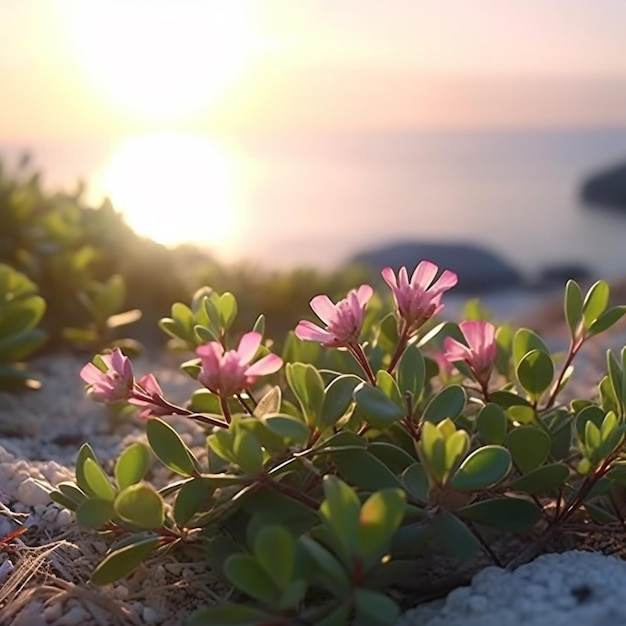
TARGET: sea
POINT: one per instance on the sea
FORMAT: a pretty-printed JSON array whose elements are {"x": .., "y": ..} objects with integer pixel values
[{"x": 282, "y": 201}]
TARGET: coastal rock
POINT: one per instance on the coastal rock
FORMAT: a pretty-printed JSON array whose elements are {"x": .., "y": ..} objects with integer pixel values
[
  {"x": 573, "y": 588},
  {"x": 479, "y": 270},
  {"x": 606, "y": 188}
]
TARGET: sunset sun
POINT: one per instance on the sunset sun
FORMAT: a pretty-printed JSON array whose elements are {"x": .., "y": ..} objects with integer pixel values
[{"x": 159, "y": 59}]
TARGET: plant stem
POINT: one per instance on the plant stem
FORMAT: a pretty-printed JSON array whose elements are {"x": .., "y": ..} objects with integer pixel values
[
  {"x": 225, "y": 409},
  {"x": 246, "y": 408},
  {"x": 357, "y": 352},
  {"x": 400, "y": 348},
  {"x": 574, "y": 346}
]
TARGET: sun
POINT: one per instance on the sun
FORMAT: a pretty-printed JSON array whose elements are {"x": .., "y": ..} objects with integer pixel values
[
  {"x": 175, "y": 189},
  {"x": 163, "y": 58}
]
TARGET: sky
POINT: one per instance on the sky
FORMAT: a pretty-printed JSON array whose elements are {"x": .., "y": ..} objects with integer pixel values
[{"x": 91, "y": 68}]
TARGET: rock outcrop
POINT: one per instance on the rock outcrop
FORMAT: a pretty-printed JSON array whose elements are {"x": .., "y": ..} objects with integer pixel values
[{"x": 479, "y": 270}]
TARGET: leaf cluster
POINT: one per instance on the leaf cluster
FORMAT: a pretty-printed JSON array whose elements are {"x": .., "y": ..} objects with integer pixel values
[{"x": 325, "y": 487}]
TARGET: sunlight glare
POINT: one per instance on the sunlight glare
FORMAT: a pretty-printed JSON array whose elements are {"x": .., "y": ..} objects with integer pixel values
[
  {"x": 175, "y": 189},
  {"x": 163, "y": 59}
]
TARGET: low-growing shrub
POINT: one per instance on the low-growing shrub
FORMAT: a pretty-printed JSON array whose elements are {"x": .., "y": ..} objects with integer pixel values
[
  {"x": 368, "y": 442},
  {"x": 21, "y": 311}
]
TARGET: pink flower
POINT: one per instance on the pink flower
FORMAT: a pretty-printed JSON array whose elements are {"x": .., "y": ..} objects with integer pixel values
[
  {"x": 480, "y": 352},
  {"x": 229, "y": 373},
  {"x": 112, "y": 385},
  {"x": 147, "y": 386},
  {"x": 418, "y": 300},
  {"x": 343, "y": 320}
]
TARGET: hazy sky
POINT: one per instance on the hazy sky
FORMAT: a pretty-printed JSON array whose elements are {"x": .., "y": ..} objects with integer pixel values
[{"x": 93, "y": 67}]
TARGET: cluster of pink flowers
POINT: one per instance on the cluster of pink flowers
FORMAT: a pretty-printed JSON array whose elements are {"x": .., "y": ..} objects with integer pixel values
[
  {"x": 225, "y": 373},
  {"x": 230, "y": 372}
]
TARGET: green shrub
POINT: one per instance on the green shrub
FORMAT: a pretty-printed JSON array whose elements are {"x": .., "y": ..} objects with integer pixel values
[{"x": 21, "y": 311}]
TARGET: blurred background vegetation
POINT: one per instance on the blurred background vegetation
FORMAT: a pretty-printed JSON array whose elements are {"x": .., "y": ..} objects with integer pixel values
[{"x": 93, "y": 270}]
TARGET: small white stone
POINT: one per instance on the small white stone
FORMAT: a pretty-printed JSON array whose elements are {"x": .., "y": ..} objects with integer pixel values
[
  {"x": 64, "y": 518},
  {"x": 31, "y": 493},
  {"x": 150, "y": 616},
  {"x": 120, "y": 592}
]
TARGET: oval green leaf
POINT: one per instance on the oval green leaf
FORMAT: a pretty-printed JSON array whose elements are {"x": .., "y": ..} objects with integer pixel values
[
  {"x": 140, "y": 505},
  {"x": 483, "y": 468},
  {"x": 170, "y": 448}
]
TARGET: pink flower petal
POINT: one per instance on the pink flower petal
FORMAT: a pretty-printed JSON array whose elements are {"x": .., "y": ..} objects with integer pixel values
[
  {"x": 389, "y": 277},
  {"x": 455, "y": 351},
  {"x": 403, "y": 278},
  {"x": 213, "y": 350},
  {"x": 248, "y": 345},
  {"x": 91, "y": 374},
  {"x": 324, "y": 308},
  {"x": 267, "y": 365},
  {"x": 446, "y": 281},
  {"x": 363, "y": 294},
  {"x": 307, "y": 331},
  {"x": 424, "y": 274}
]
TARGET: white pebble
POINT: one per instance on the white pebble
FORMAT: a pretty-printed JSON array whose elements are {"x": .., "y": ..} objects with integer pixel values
[
  {"x": 64, "y": 518},
  {"x": 31, "y": 493},
  {"x": 120, "y": 592}
]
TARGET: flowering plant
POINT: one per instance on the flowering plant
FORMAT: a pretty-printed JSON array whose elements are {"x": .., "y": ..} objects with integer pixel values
[{"x": 330, "y": 467}]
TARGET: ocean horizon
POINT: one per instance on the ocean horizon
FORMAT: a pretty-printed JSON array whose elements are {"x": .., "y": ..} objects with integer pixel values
[{"x": 284, "y": 201}]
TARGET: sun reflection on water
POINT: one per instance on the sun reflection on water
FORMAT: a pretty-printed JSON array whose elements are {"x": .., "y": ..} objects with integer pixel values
[{"x": 176, "y": 189}]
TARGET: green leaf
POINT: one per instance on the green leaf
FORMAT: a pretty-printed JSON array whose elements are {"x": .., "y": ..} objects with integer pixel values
[
  {"x": 415, "y": 481},
  {"x": 535, "y": 372},
  {"x": 522, "y": 415},
  {"x": 308, "y": 386},
  {"x": 290, "y": 430},
  {"x": 482, "y": 469},
  {"x": 573, "y": 306},
  {"x": 524, "y": 341},
  {"x": 269, "y": 403},
  {"x": 606, "y": 320},
  {"x": 374, "y": 608},
  {"x": 543, "y": 481},
  {"x": 248, "y": 452},
  {"x": 85, "y": 452},
  {"x": 94, "y": 513},
  {"x": 529, "y": 446},
  {"x": 378, "y": 409},
  {"x": 412, "y": 373},
  {"x": 132, "y": 465},
  {"x": 338, "y": 398},
  {"x": 193, "y": 496},
  {"x": 328, "y": 563},
  {"x": 449, "y": 402},
  {"x": 491, "y": 424},
  {"x": 509, "y": 514},
  {"x": 340, "y": 510},
  {"x": 274, "y": 549},
  {"x": 361, "y": 468},
  {"x": 97, "y": 480},
  {"x": 380, "y": 516},
  {"x": 595, "y": 303},
  {"x": 246, "y": 574},
  {"x": 455, "y": 537},
  {"x": 170, "y": 448},
  {"x": 227, "y": 307},
  {"x": 387, "y": 384},
  {"x": 140, "y": 505},
  {"x": 122, "y": 561},
  {"x": 230, "y": 615}
]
